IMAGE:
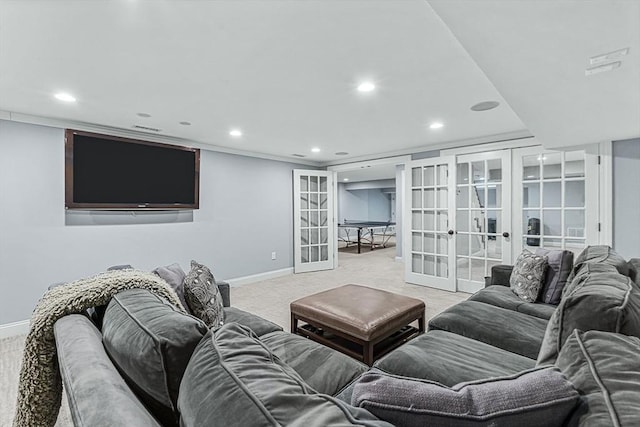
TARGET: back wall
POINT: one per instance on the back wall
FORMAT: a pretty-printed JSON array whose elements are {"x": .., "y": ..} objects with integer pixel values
[{"x": 245, "y": 214}]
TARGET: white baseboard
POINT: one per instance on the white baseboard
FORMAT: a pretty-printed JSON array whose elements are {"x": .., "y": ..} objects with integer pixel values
[
  {"x": 245, "y": 280},
  {"x": 12, "y": 329}
]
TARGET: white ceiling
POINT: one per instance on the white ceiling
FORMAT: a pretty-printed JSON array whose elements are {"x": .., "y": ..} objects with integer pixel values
[
  {"x": 286, "y": 72},
  {"x": 368, "y": 173},
  {"x": 536, "y": 53}
]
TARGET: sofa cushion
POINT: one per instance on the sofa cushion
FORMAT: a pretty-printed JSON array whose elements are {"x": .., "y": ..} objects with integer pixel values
[
  {"x": 605, "y": 368},
  {"x": 506, "y": 329},
  {"x": 528, "y": 275},
  {"x": 234, "y": 380},
  {"x": 598, "y": 299},
  {"x": 600, "y": 254},
  {"x": 502, "y": 296},
  {"x": 174, "y": 276},
  {"x": 90, "y": 378},
  {"x": 560, "y": 265},
  {"x": 450, "y": 359},
  {"x": 324, "y": 369},
  {"x": 538, "y": 397},
  {"x": 150, "y": 342},
  {"x": 500, "y": 274},
  {"x": 203, "y": 296},
  {"x": 257, "y": 324}
]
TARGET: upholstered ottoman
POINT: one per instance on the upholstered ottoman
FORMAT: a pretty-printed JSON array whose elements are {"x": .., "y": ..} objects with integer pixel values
[{"x": 359, "y": 321}]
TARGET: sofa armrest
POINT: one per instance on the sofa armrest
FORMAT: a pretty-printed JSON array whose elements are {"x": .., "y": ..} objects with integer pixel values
[
  {"x": 224, "y": 292},
  {"x": 500, "y": 274},
  {"x": 97, "y": 393},
  {"x": 634, "y": 269}
]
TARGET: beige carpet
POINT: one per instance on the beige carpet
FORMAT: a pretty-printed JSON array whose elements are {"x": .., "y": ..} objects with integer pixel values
[{"x": 269, "y": 299}]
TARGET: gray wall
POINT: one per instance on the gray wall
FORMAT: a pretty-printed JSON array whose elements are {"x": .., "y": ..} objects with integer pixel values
[
  {"x": 626, "y": 197},
  {"x": 245, "y": 214},
  {"x": 370, "y": 204}
]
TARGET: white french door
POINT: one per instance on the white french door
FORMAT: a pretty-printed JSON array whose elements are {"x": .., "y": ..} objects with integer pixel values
[
  {"x": 459, "y": 220},
  {"x": 313, "y": 222},
  {"x": 483, "y": 216},
  {"x": 429, "y": 250},
  {"x": 555, "y": 199},
  {"x": 470, "y": 212}
]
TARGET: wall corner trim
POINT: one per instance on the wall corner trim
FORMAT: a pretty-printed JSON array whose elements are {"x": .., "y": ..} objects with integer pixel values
[
  {"x": 245, "y": 280},
  {"x": 13, "y": 329}
]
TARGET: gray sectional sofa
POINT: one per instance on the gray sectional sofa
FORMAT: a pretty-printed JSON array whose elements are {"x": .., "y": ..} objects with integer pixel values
[{"x": 510, "y": 362}]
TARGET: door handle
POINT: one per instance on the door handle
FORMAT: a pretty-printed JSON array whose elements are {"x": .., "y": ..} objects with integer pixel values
[
  {"x": 450, "y": 232},
  {"x": 505, "y": 234}
]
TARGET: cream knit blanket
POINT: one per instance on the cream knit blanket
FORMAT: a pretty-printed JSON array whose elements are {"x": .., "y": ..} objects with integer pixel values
[{"x": 40, "y": 388}]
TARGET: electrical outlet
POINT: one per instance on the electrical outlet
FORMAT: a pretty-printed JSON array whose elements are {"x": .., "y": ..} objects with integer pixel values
[{"x": 273, "y": 255}]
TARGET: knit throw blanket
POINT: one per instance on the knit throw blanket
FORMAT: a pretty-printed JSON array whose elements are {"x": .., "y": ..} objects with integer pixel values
[{"x": 40, "y": 388}]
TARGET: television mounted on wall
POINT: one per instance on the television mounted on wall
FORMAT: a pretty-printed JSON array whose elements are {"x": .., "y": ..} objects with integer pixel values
[{"x": 113, "y": 173}]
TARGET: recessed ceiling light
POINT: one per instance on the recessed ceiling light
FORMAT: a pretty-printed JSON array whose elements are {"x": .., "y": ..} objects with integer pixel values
[
  {"x": 145, "y": 115},
  {"x": 346, "y": 179},
  {"x": 485, "y": 105},
  {"x": 235, "y": 132},
  {"x": 530, "y": 176},
  {"x": 366, "y": 87},
  {"x": 341, "y": 153},
  {"x": 65, "y": 97},
  {"x": 315, "y": 150},
  {"x": 435, "y": 125},
  {"x": 185, "y": 123}
]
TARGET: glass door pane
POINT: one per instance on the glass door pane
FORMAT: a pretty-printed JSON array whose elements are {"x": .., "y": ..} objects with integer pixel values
[{"x": 554, "y": 183}]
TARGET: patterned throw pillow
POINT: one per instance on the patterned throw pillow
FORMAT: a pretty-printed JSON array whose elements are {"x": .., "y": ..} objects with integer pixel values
[
  {"x": 528, "y": 275},
  {"x": 202, "y": 295}
]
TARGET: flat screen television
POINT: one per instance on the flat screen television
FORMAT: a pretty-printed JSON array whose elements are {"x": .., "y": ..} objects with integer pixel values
[{"x": 112, "y": 173}]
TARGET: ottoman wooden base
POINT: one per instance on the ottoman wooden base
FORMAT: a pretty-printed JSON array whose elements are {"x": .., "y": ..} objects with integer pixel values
[{"x": 359, "y": 321}]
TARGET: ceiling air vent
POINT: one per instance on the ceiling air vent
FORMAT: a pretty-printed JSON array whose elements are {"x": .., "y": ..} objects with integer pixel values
[
  {"x": 298, "y": 155},
  {"x": 146, "y": 128}
]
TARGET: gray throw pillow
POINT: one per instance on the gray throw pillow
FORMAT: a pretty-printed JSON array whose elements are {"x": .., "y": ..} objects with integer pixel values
[
  {"x": 203, "y": 296},
  {"x": 174, "y": 276},
  {"x": 560, "y": 265},
  {"x": 150, "y": 342},
  {"x": 528, "y": 275},
  {"x": 605, "y": 368},
  {"x": 234, "y": 380},
  {"x": 537, "y": 397}
]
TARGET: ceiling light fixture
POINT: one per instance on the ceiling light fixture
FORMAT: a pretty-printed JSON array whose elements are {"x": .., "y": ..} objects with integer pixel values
[
  {"x": 606, "y": 57},
  {"x": 485, "y": 105},
  {"x": 315, "y": 150},
  {"x": 65, "y": 97},
  {"x": 436, "y": 125},
  {"x": 235, "y": 132},
  {"x": 602, "y": 68},
  {"x": 346, "y": 179},
  {"x": 366, "y": 87}
]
